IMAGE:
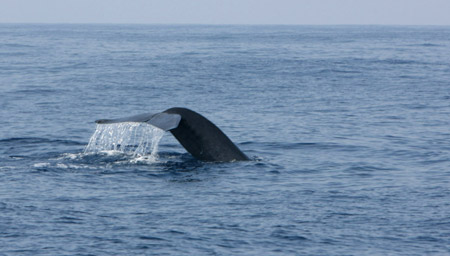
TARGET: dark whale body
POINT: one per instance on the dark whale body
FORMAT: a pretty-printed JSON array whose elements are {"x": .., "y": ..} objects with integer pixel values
[{"x": 199, "y": 136}]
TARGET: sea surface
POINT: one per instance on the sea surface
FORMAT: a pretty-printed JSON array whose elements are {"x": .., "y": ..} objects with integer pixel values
[{"x": 347, "y": 128}]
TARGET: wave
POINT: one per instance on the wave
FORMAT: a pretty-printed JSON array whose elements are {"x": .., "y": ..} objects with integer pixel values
[
  {"x": 38, "y": 140},
  {"x": 16, "y": 45},
  {"x": 303, "y": 145}
]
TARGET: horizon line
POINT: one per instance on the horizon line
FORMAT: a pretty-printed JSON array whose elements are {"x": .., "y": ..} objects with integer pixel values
[{"x": 220, "y": 24}]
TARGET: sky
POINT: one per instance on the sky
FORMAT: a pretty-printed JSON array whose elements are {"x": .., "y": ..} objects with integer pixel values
[{"x": 304, "y": 12}]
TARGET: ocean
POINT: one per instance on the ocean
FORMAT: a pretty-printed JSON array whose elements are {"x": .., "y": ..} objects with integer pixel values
[{"x": 347, "y": 129}]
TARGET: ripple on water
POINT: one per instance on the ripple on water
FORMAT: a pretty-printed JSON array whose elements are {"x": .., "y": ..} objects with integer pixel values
[{"x": 349, "y": 154}]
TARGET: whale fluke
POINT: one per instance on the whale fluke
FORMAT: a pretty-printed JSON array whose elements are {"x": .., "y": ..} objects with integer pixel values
[
  {"x": 162, "y": 120},
  {"x": 199, "y": 136}
]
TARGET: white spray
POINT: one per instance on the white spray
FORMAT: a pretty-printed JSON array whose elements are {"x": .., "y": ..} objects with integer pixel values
[{"x": 137, "y": 139}]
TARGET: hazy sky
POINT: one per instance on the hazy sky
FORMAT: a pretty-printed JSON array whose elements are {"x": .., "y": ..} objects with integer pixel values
[{"x": 402, "y": 12}]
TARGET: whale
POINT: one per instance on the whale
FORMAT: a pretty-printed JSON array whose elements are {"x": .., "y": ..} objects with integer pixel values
[{"x": 198, "y": 135}]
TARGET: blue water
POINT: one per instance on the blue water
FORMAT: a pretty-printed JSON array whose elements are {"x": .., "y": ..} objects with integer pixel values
[{"x": 348, "y": 129}]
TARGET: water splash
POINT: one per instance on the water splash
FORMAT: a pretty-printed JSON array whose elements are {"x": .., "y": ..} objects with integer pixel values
[{"x": 140, "y": 140}]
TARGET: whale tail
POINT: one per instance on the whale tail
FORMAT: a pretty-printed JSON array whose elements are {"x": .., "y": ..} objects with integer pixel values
[{"x": 199, "y": 136}]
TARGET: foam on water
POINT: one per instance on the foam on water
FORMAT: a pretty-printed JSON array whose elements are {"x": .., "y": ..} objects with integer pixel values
[{"x": 140, "y": 140}]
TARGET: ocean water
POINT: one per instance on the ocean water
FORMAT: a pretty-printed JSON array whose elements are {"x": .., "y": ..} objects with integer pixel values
[{"x": 348, "y": 129}]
